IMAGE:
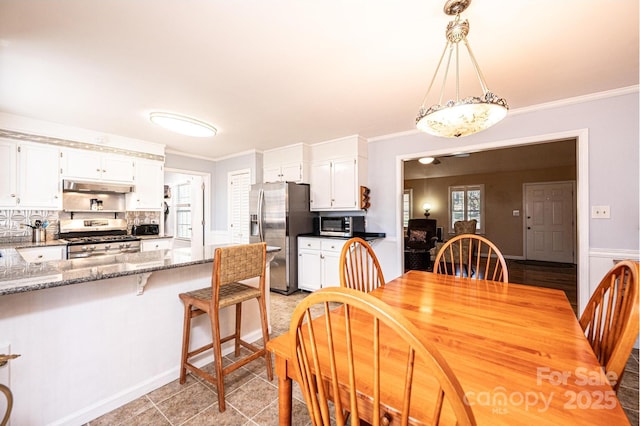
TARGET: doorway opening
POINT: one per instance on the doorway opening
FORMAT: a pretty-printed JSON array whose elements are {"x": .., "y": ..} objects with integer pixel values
[
  {"x": 503, "y": 172},
  {"x": 186, "y": 207}
]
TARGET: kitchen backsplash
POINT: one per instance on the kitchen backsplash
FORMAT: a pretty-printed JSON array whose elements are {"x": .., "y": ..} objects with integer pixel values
[{"x": 12, "y": 222}]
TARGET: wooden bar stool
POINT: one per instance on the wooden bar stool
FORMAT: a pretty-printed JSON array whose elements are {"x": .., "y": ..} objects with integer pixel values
[{"x": 230, "y": 265}]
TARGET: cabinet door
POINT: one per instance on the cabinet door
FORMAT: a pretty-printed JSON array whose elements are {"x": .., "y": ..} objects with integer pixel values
[
  {"x": 292, "y": 172},
  {"x": 271, "y": 174},
  {"x": 81, "y": 164},
  {"x": 117, "y": 168},
  {"x": 309, "y": 270},
  {"x": 8, "y": 173},
  {"x": 39, "y": 176},
  {"x": 320, "y": 178},
  {"x": 149, "y": 184},
  {"x": 343, "y": 185},
  {"x": 331, "y": 269}
]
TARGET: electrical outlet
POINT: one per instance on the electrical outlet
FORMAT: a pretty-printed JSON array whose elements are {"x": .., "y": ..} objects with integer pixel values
[{"x": 600, "y": 212}]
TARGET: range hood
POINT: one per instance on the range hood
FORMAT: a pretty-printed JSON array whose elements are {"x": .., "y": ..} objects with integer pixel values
[{"x": 96, "y": 187}]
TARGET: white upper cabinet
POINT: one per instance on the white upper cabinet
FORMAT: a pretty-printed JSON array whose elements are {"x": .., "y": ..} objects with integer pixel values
[
  {"x": 30, "y": 176},
  {"x": 149, "y": 186},
  {"x": 97, "y": 166},
  {"x": 39, "y": 183},
  {"x": 338, "y": 170},
  {"x": 287, "y": 164},
  {"x": 8, "y": 173}
]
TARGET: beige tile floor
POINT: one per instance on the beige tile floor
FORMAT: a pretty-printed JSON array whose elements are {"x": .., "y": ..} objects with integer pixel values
[{"x": 252, "y": 399}]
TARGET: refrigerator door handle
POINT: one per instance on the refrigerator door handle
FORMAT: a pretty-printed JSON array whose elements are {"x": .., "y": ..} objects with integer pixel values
[{"x": 260, "y": 218}]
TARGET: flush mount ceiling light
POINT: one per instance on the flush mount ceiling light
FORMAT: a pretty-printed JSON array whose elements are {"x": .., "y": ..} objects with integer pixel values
[
  {"x": 459, "y": 117},
  {"x": 426, "y": 160},
  {"x": 183, "y": 124}
]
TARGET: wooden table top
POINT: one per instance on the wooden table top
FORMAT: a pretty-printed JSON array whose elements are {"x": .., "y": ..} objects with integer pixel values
[{"x": 518, "y": 351}]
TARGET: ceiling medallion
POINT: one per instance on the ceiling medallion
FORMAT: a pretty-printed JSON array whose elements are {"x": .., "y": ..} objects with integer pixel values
[{"x": 459, "y": 117}]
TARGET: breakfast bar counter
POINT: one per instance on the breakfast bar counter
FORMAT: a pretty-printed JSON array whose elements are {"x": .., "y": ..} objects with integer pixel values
[
  {"x": 17, "y": 275},
  {"x": 97, "y": 333}
]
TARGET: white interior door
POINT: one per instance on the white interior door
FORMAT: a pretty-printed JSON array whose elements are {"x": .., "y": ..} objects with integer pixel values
[
  {"x": 238, "y": 190},
  {"x": 550, "y": 230}
]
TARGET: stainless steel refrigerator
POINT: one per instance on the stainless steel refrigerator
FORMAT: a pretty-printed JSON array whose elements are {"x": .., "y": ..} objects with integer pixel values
[{"x": 279, "y": 212}]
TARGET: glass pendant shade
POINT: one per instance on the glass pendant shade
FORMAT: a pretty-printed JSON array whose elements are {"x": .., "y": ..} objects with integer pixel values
[
  {"x": 459, "y": 117},
  {"x": 462, "y": 118}
]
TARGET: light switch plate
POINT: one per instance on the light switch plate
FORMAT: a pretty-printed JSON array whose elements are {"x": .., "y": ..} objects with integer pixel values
[
  {"x": 600, "y": 212},
  {"x": 516, "y": 213}
]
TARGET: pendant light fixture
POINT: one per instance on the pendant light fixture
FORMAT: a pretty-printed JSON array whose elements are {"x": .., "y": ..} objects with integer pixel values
[
  {"x": 459, "y": 116},
  {"x": 183, "y": 124}
]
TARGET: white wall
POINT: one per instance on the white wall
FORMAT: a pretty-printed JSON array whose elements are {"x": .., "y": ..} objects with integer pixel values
[{"x": 610, "y": 123}]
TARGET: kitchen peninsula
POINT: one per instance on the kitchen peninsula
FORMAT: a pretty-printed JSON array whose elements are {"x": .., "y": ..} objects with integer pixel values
[{"x": 96, "y": 333}]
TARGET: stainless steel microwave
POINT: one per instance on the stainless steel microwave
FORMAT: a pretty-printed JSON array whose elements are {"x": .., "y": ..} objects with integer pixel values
[{"x": 340, "y": 226}]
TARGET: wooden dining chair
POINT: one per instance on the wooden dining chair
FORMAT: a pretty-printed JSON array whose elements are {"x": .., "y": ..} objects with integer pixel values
[
  {"x": 610, "y": 319},
  {"x": 230, "y": 265},
  {"x": 366, "y": 358},
  {"x": 8, "y": 405},
  {"x": 473, "y": 256},
  {"x": 359, "y": 266}
]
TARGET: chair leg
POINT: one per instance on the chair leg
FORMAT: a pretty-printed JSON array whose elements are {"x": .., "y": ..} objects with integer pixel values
[
  {"x": 217, "y": 354},
  {"x": 236, "y": 339},
  {"x": 265, "y": 336},
  {"x": 186, "y": 332}
]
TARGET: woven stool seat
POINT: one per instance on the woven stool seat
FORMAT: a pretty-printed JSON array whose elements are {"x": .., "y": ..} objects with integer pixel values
[
  {"x": 230, "y": 265},
  {"x": 230, "y": 294}
]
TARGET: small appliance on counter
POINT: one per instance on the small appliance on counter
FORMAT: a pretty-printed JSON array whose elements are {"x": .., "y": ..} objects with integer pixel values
[
  {"x": 339, "y": 226},
  {"x": 146, "y": 229}
]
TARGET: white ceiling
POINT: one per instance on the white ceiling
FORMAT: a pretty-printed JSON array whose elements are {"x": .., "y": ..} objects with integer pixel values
[{"x": 278, "y": 72}]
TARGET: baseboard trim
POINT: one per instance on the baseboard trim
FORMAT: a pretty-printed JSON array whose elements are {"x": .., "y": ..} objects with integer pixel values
[{"x": 112, "y": 402}]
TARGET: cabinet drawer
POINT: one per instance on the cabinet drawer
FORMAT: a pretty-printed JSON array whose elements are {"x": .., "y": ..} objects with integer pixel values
[
  {"x": 332, "y": 245},
  {"x": 43, "y": 254},
  {"x": 156, "y": 244},
  {"x": 309, "y": 243}
]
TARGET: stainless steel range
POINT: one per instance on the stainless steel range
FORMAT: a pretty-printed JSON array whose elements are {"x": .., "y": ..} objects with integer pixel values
[{"x": 97, "y": 237}]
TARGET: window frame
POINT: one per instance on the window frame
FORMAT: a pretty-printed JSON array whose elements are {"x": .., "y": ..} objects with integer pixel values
[
  {"x": 183, "y": 210},
  {"x": 466, "y": 189},
  {"x": 406, "y": 213}
]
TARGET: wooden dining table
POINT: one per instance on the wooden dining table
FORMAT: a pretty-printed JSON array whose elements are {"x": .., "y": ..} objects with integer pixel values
[{"x": 517, "y": 350}]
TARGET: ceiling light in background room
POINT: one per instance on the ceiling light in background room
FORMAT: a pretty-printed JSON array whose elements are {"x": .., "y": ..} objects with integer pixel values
[
  {"x": 426, "y": 160},
  {"x": 459, "y": 117},
  {"x": 183, "y": 124}
]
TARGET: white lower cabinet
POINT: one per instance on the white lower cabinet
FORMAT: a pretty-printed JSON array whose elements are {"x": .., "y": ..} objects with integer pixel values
[
  {"x": 319, "y": 262},
  {"x": 156, "y": 244},
  {"x": 43, "y": 254}
]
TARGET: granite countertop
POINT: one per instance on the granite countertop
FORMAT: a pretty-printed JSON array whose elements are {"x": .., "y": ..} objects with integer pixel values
[
  {"x": 367, "y": 236},
  {"x": 18, "y": 276},
  {"x": 61, "y": 242}
]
